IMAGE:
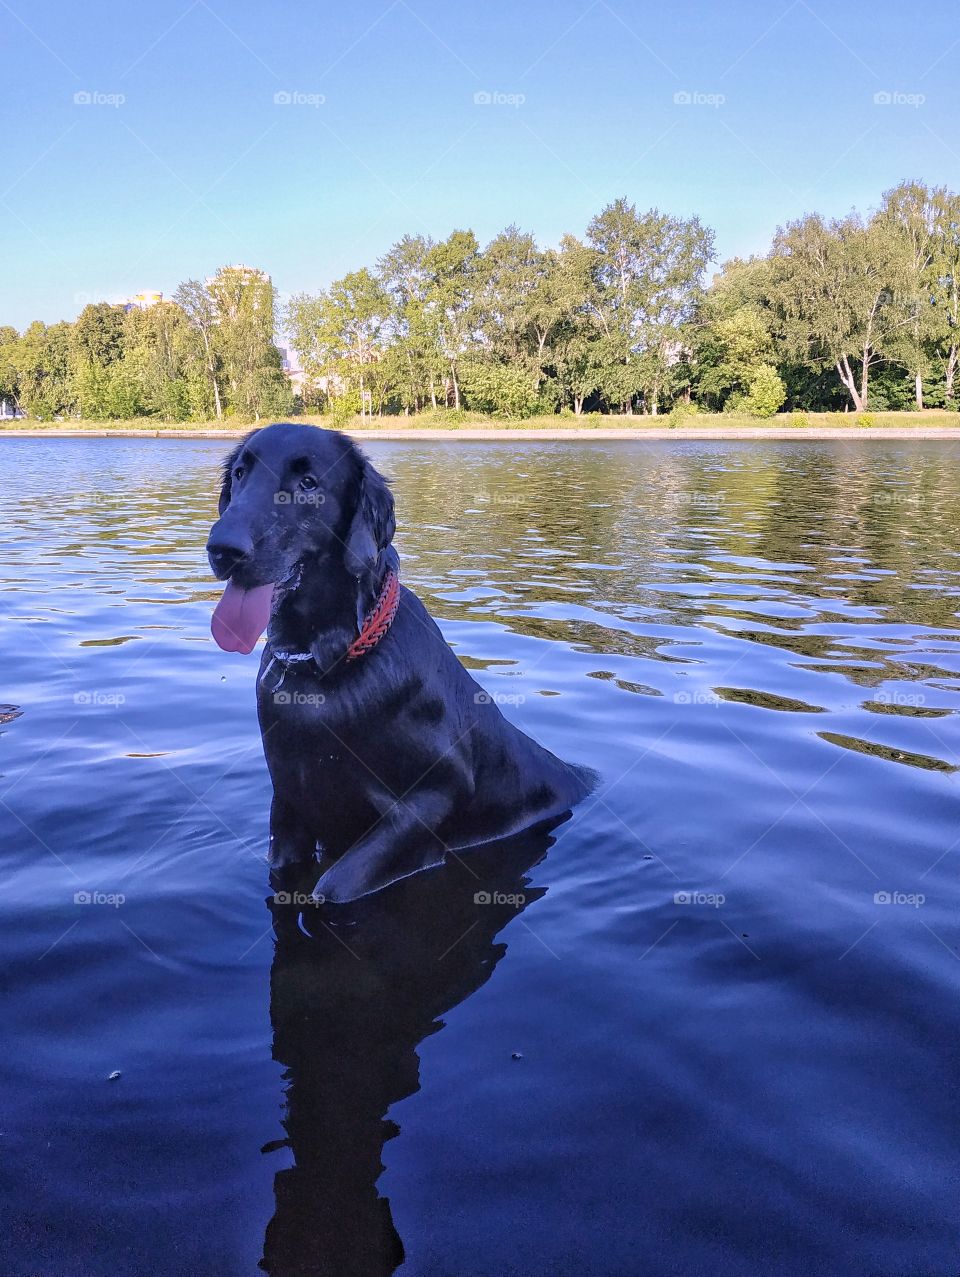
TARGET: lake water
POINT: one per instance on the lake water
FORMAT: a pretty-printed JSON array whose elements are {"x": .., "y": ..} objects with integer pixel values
[{"x": 718, "y": 1033}]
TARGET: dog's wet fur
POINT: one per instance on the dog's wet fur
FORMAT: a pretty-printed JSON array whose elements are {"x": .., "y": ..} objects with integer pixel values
[{"x": 381, "y": 765}]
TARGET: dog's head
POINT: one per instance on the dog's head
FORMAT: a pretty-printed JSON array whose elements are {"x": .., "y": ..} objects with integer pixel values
[{"x": 291, "y": 494}]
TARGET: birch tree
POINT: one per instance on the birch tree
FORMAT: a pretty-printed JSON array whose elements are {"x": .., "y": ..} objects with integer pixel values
[
  {"x": 341, "y": 332},
  {"x": 647, "y": 275},
  {"x": 198, "y": 305},
  {"x": 449, "y": 306},
  {"x": 833, "y": 287},
  {"x": 910, "y": 214}
]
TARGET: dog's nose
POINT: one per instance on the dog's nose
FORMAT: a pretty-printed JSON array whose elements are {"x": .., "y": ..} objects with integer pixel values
[{"x": 225, "y": 556}]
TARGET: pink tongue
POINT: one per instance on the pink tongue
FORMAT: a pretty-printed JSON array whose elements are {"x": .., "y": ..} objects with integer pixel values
[{"x": 241, "y": 616}]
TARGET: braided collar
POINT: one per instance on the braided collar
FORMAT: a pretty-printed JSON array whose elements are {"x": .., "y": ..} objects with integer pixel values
[
  {"x": 379, "y": 619},
  {"x": 375, "y": 625}
]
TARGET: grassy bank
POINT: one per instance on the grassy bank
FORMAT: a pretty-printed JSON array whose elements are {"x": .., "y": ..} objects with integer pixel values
[{"x": 468, "y": 422}]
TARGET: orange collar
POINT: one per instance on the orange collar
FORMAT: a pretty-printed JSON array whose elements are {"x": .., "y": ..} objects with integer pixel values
[{"x": 378, "y": 619}]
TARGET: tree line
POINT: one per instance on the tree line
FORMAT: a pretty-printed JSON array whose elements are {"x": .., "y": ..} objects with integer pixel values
[
  {"x": 851, "y": 313},
  {"x": 207, "y": 354}
]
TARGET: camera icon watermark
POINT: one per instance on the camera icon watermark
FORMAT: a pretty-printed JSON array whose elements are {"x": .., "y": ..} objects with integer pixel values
[
  {"x": 299, "y": 698},
  {"x": 896, "y": 498},
  {"x": 908, "y": 700},
  {"x": 712, "y": 898},
  {"x": 498, "y": 498},
  {"x": 303, "y": 899},
  {"x": 498, "y": 698},
  {"x": 693, "y": 97},
  {"x": 493, "y": 97},
  {"x": 113, "y": 898},
  {"x": 913, "y": 898},
  {"x": 299, "y": 498},
  {"x": 82, "y": 299},
  {"x": 93, "y": 97},
  {"x": 99, "y": 698},
  {"x": 294, "y": 97},
  {"x": 516, "y": 899},
  {"x": 893, "y": 97},
  {"x": 696, "y": 698}
]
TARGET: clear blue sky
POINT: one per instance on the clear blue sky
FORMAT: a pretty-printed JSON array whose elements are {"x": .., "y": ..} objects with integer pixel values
[{"x": 199, "y": 166}]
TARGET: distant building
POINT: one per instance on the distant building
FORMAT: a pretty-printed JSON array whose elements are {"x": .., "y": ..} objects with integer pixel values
[
  {"x": 250, "y": 274},
  {"x": 292, "y": 370},
  {"x": 144, "y": 300},
  {"x": 246, "y": 276}
]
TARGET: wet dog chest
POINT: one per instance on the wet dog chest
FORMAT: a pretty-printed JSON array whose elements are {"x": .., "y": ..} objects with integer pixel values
[
  {"x": 347, "y": 741},
  {"x": 315, "y": 736}
]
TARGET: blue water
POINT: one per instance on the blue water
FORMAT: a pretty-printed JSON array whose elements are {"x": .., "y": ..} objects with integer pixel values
[{"x": 718, "y": 1034}]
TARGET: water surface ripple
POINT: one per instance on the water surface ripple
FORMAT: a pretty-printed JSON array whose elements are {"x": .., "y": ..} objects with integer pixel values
[{"x": 719, "y": 1032}]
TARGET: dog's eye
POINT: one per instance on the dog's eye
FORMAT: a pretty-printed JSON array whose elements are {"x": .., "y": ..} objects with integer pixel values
[
  {"x": 308, "y": 483},
  {"x": 239, "y": 472}
]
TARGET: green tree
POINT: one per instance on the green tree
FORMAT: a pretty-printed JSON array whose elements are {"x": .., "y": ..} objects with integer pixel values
[
  {"x": 577, "y": 341},
  {"x": 832, "y": 285},
  {"x": 163, "y": 360},
  {"x": 96, "y": 346},
  {"x": 244, "y": 309},
  {"x": 911, "y": 214},
  {"x": 9, "y": 372},
  {"x": 199, "y": 307},
  {"x": 411, "y": 354},
  {"x": 97, "y": 334},
  {"x": 764, "y": 393},
  {"x": 646, "y": 277},
  {"x": 453, "y": 265},
  {"x": 732, "y": 337},
  {"x": 517, "y": 306},
  {"x": 42, "y": 358},
  {"x": 340, "y": 334},
  {"x": 501, "y": 389},
  {"x": 944, "y": 279}
]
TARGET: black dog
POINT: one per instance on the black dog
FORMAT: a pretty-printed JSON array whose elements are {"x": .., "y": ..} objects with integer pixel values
[{"x": 383, "y": 751}]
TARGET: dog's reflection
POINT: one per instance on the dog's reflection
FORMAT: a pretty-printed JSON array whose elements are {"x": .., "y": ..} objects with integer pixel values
[{"x": 349, "y": 1004}]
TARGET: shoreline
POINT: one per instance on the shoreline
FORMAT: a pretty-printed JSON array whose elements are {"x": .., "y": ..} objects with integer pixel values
[{"x": 495, "y": 434}]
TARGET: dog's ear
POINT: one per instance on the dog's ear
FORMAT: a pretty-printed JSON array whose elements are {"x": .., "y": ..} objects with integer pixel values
[
  {"x": 226, "y": 471},
  {"x": 373, "y": 523}
]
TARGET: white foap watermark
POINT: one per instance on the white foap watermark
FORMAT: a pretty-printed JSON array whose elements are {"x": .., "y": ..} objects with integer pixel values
[
  {"x": 696, "y": 698},
  {"x": 99, "y": 698},
  {"x": 93, "y": 97},
  {"x": 493, "y": 97},
  {"x": 299, "y": 698},
  {"x": 498, "y": 698},
  {"x": 911, "y": 700},
  {"x": 894, "y": 97},
  {"x": 514, "y": 898},
  {"x": 712, "y": 898},
  {"x": 693, "y": 97},
  {"x": 295, "y": 97},
  {"x": 299, "y": 498},
  {"x": 499, "y": 498},
  {"x": 113, "y": 898},
  {"x": 913, "y": 898},
  {"x": 302, "y": 898}
]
